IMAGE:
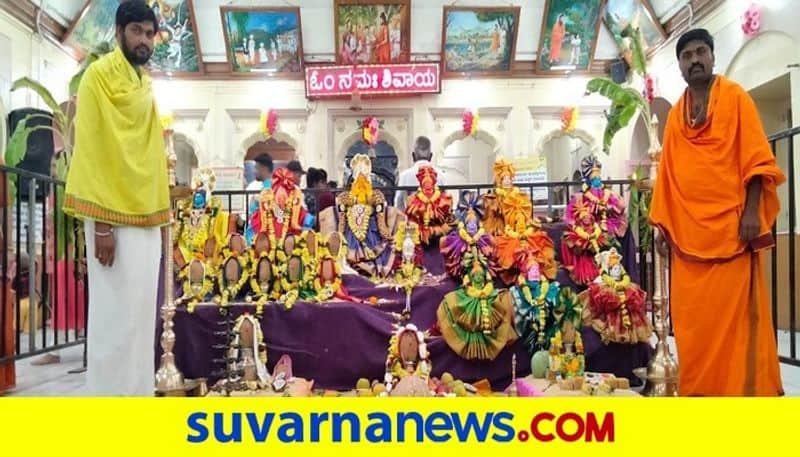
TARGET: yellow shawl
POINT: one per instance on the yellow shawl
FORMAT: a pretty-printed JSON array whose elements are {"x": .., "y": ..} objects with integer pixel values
[{"x": 118, "y": 173}]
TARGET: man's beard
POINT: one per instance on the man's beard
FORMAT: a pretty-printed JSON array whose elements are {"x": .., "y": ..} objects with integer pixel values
[{"x": 139, "y": 56}]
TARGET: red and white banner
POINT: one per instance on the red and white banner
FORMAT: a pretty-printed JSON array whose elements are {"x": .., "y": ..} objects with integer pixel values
[{"x": 418, "y": 78}]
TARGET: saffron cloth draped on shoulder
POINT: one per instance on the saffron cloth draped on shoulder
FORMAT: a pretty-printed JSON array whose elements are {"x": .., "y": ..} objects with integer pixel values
[
  {"x": 718, "y": 300},
  {"x": 118, "y": 173},
  {"x": 702, "y": 179}
]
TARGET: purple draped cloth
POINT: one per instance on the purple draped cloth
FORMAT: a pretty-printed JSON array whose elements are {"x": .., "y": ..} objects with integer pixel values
[{"x": 339, "y": 342}]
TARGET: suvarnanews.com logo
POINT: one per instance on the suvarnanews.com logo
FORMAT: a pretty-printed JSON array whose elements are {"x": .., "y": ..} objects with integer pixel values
[{"x": 400, "y": 427}]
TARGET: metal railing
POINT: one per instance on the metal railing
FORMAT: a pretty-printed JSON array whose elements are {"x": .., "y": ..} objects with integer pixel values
[
  {"x": 40, "y": 269},
  {"x": 786, "y": 269}
]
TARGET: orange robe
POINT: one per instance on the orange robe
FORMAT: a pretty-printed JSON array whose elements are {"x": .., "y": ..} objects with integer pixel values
[
  {"x": 382, "y": 46},
  {"x": 720, "y": 308},
  {"x": 556, "y": 38}
]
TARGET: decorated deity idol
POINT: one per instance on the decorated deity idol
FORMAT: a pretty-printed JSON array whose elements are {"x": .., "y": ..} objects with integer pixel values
[
  {"x": 518, "y": 235},
  {"x": 596, "y": 220},
  {"x": 328, "y": 282},
  {"x": 248, "y": 353},
  {"x": 477, "y": 321},
  {"x": 507, "y": 203},
  {"x": 262, "y": 272},
  {"x": 198, "y": 225},
  {"x": 409, "y": 272},
  {"x": 429, "y": 207},
  {"x": 607, "y": 207},
  {"x": 234, "y": 269},
  {"x": 522, "y": 243},
  {"x": 408, "y": 364},
  {"x": 534, "y": 298},
  {"x": 293, "y": 260},
  {"x": 366, "y": 223},
  {"x": 280, "y": 209},
  {"x": 614, "y": 306},
  {"x": 468, "y": 236}
]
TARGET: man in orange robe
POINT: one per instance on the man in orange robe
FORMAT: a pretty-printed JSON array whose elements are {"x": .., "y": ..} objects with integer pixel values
[
  {"x": 556, "y": 38},
  {"x": 714, "y": 203}
]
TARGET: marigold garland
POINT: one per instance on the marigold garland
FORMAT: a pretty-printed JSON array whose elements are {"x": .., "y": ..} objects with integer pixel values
[{"x": 269, "y": 122}]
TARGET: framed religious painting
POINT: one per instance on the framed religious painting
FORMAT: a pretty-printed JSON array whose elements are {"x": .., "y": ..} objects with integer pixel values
[
  {"x": 569, "y": 36},
  {"x": 94, "y": 25},
  {"x": 479, "y": 40},
  {"x": 177, "y": 46},
  {"x": 263, "y": 39},
  {"x": 621, "y": 13},
  {"x": 372, "y": 32}
]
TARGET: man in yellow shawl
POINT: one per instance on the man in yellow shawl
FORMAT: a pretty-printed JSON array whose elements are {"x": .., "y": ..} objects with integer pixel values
[
  {"x": 715, "y": 201},
  {"x": 117, "y": 184}
]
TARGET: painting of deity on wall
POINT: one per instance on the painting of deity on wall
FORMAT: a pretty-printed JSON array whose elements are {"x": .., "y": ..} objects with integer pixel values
[
  {"x": 620, "y": 13},
  {"x": 479, "y": 40},
  {"x": 177, "y": 48},
  {"x": 263, "y": 39},
  {"x": 95, "y": 25},
  {"x": 569, "y": 36},
  {"x": 372, "y": 32}
]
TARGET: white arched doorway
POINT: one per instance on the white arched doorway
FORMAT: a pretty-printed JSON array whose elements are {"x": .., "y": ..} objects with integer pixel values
[
  {"x": 468, "y": 159},
  {"x": 186, "y": 152}
]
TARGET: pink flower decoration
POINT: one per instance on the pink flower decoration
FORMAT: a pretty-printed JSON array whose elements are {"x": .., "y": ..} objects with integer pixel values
[{"x": 751, "y": 21}]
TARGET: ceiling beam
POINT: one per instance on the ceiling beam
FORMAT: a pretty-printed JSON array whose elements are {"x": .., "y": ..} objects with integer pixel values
[
  {"x": 684, "y": 18},
  {"x": 26, "y": 12}
]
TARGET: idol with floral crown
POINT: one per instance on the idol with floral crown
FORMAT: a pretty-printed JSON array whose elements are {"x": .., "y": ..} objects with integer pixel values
[
  {"x": 596, "y": 221},
  {"x": 476, "y": 320},
  {"x": 518, "y": 236},
  {"x": 429, "y": 207},
  {"x": 196, "y": 221},
  {"x": 468, "y": 236},
  {"x": 201, "y": 228},
  {"x": 365, "y": 221},
  {"x": 280, "y": 209},
  {"x": 614, "y": 306},
  {"x": 534, "y": 298}
]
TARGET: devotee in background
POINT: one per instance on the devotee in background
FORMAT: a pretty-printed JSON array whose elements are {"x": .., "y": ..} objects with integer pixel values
[
  {"x": 122, "y": 206},
  {"x": 318, "y": 196},
  {"x": 264, "y": 167},
  {"x": 297, "y": 170},
  {"x": 421, "y": 155},
  {"x": 556, "y": 38},
  {"x": 715, "y": 201}
]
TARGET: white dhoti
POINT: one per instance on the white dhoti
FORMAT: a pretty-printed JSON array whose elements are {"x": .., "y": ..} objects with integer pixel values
[{"x": 122, "y": 313}]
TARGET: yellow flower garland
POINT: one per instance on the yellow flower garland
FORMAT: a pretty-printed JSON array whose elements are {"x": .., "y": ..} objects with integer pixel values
[
  {"x": 539, "y": 301},
  {"x": 189, "y": 294},
  {"x": 232, "y": 290},
  {"x": 471, "y": 240}
]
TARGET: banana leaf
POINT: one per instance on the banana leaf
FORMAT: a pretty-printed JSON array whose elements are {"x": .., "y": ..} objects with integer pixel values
[
  {"x": 625, "y": 102},
  {"x": 46, "y": 96}
]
